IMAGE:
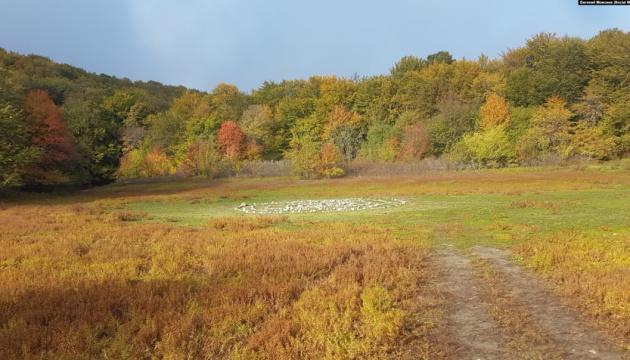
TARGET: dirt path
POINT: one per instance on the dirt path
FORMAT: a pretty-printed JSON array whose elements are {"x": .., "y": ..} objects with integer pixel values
[
  {"x": 568, "y": 331},
  {"x": 475, "y": 332},
  {"x": 476, "y": 320}
]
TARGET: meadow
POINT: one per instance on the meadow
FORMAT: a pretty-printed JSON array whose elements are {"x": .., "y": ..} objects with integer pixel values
[{"x": 172, "y": 270}]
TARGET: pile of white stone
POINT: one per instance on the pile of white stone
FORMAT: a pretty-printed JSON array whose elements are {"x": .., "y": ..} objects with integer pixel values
[{"x": 311, "y": 206}]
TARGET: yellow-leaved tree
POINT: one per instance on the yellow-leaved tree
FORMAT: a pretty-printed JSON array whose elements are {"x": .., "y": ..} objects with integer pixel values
[{"x": 495, "y": 111}]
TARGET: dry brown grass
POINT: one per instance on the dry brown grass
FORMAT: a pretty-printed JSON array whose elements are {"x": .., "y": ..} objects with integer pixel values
[
  {"x": 82, "y": 276},
  {"x": 592, "y": 271},
  {"x": 77, "y": 282}
]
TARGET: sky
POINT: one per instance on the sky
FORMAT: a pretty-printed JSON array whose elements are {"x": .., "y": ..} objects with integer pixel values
[{"x": 200, "y": 44}]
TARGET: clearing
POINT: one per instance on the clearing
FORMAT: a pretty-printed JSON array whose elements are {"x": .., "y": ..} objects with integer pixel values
[{"x": 493, "y": 264}]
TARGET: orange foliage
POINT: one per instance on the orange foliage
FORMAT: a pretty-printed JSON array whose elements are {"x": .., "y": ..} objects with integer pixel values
[
  {"x": 329, "y": 161},
  {"x": 231, "y": 139},
  {"x": 337, "y": 117},
  {"x": 494, "y": 112},
  {"x": 156, "y": 163},
  {"x": 52, "y": 134}
]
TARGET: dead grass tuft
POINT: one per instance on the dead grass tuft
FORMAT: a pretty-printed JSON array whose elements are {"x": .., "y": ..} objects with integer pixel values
[{"x": 246, "y": 223}]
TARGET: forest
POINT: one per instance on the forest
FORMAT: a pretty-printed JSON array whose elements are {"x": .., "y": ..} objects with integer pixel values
[{"x": 552, "y": 99}]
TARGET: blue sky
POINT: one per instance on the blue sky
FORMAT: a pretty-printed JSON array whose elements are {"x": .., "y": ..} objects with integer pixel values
[{"x": 202, "y": 43}]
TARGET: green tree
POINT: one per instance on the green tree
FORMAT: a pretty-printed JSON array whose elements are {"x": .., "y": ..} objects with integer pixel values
[
  {"x": 16, "y": 151},
  {"x": 382, "y": 143},
  {"x": 406, "y": 64},
  {"x": 454, "y": 119},
  {"x": 440, "y": 57},
  {"x": 227, "y": 102},
  {"x": 304, "y": 151},
  {"x": 617, "y": 124},
  {"x": 551, "y": 66},
  {"x": 98, "y": 138},
  {"x": 610, "y": 54}
]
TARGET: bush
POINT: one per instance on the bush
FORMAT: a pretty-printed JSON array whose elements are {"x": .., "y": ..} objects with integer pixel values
[
  {"x": 131, "y": 165},
  {"x": 265, "y": 168},
  {"x": 489, "y": 148},
  {"x": 202, "y": 159},
  {"x": 140, "y": 163},
  {"x": 156, "y": 163},
  {"x": 310, "y": 162}
]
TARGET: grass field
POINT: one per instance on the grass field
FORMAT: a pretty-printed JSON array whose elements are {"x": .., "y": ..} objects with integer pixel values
[{"x": 172, "y": 270}]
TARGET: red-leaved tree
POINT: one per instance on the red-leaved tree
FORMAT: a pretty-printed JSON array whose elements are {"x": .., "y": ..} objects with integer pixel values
[
  {"x": 52, "y": 136},
  {"x": 231, "y": 140}
]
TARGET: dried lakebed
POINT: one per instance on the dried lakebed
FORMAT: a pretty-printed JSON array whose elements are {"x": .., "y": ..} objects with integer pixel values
[{"x": 311, "y": 206}]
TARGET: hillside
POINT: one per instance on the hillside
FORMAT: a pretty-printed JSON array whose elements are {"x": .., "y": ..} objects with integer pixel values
[{"x": 553, "y": 99}]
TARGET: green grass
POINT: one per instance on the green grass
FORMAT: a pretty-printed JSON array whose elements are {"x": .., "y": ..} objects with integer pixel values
[{"x": 481, "y": 217}]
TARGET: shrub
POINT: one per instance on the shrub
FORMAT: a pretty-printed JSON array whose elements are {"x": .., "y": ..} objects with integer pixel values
[
  {"x": 487, "y": 148},
  {"x": 139, "y": 163},
  {"x": 131, "y": 165},
  {"x": 308, "y": 161},
  {"x": 156, "y": 163},
  {"x": 202, "y": 159}
]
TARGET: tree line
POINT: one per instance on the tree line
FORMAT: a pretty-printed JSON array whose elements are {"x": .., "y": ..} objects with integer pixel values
[{"x": 554, "y": 97}]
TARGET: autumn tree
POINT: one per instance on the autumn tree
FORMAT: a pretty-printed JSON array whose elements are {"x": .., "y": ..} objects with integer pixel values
[
  {"x": 610, "y": 54},
  {"x": 202, "y": 159},
  {"x": 58, "y": 154},
  {"x": 548, "y": 131},
  {"x": 494, "y": 112},
  {"x": 329, "y": 162},
  {"x": 489, "y": 148},
  {"x": 305, "y": 145},
  {"x": 227, "y": 102},
  {"x": 414, "y": 143},
  {"x": 231, "y": 140},
  {"x": 617, "y": 124},
  {"x": 381, "y": 143},
  {"x": 156, "y": 163},
  {"x": 592, "y": 141},
  {"x": 454, "y": 119},
  {"x": 260, "y": 126}
]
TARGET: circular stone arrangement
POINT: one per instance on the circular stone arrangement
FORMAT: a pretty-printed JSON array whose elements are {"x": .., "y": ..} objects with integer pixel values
[{"x": 311, "y": 206}]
